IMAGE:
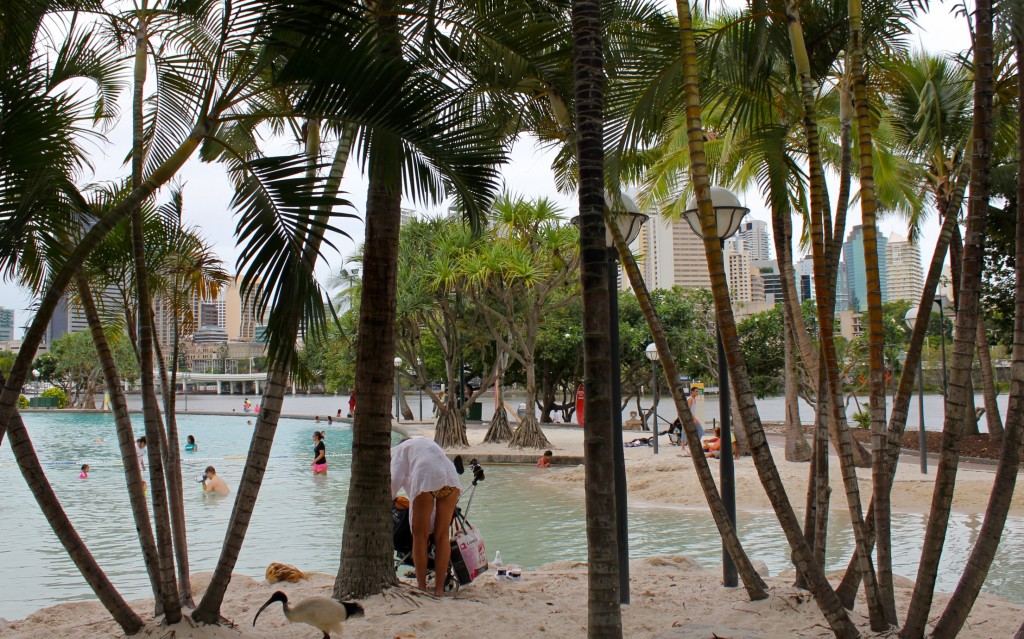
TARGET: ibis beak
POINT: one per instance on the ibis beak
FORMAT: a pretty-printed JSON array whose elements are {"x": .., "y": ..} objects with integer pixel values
[{"x": 264, "y": 607}]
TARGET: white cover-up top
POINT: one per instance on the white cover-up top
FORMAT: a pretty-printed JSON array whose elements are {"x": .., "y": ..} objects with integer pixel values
[{"x": 419, "y": 465}]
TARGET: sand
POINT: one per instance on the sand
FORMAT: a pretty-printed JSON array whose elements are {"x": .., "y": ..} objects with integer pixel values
[{"x": 672, "y": 596}]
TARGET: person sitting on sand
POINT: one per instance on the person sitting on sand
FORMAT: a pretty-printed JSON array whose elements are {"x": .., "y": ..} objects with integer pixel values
[
  {"x": 85, "y": 472},
  {"x": 212, "y": 483},
  {"x": 545, "y": 460}
]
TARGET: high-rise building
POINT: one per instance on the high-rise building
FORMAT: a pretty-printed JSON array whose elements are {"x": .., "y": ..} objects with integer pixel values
[
  {"x": 903, "y": 262},
  {"x": 804, "y": 272},
  {"x": 6, "y": 324},
  {"x": 653, "y": 250},
  {"x": 757, "y": 287},
  {"x": 737, "y": 272},
  {"x": 408, "y": 215},
  {"x": 756, "y": 242},
  {"x": 842, "y": 288},
  {"x": 689, "y": 262},
  {"x": 856, "y": 275}
]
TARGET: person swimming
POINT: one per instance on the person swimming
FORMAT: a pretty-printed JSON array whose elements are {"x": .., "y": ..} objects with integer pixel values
[
  {"x": 85, "y": 472},
  {"x": 191, "y": 446}
]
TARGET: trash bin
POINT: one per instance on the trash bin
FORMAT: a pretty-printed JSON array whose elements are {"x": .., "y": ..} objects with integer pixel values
[
  {"x": 521, "y": 410},
  {"x": 476, "y": 411}
]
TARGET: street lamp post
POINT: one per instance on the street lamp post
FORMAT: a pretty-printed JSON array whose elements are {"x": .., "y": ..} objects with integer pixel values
[
  {"x": 729, "y": 213},
  {"x": 626, "y": 214},
  {"x": 652, "y": 354},
  {"x": 398, "y": 390},
  {"x": 35, "y": 382}
]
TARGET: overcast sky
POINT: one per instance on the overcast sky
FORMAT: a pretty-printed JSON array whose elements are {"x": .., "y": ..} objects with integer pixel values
[{"x": 207, "y": 193}]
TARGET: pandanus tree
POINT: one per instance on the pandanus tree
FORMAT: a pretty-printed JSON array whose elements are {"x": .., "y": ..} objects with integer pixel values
[{"x": 516, "y": 277}]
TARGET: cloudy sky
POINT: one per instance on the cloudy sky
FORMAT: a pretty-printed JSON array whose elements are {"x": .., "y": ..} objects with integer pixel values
[{"x": 207, "y": 194}]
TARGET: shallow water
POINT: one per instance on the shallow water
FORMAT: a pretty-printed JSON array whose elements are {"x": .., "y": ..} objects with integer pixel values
[{"x": 298, "y": 518}]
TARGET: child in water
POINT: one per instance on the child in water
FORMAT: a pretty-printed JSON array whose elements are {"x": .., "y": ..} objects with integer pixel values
[
  {"x": 85, "y": 472},
  {"x": 191, "y": 446},
  {"x": 545, "y": 460}
]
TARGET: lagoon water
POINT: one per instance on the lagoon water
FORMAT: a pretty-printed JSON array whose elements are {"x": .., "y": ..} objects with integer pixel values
[{"x": 298, "y": 518}]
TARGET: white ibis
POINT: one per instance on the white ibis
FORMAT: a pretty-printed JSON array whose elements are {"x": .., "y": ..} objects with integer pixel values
[{"x": 322, "y": 613}]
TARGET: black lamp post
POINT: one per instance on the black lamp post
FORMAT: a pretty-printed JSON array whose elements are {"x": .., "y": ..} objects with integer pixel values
[
  {"x": 729, "y": 213},
  {"x": 652, "y": 354},
  {"x": 624, "y": 211}
]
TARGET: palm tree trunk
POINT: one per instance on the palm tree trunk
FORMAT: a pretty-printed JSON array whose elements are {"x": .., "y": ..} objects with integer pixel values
[
  {"x": 151, "y": 414},
  {"x": 898, "y": 420},
  {"x": 988, "y": 385},
  {"x": 956, "y": 249},
  {"x": 980, "y": 561},
  {"x": 366, "y": 567},
  {"x": 797, "y": 449},
  {"x": 876, "y": 332},
  {"x": 126, "y": 441},
  {"x": 824, "y": 596},
  {"x": 966, "y": 327},
  {"x": 604, "y": 615},
  {"x": 256, "y": 460},
  {"x": 172, "y": 471},
  {"x": 844, "y": 441}
]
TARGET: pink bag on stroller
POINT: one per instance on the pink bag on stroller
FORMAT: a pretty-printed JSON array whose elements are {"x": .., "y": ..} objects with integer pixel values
[{"x": 469, "y": 555}]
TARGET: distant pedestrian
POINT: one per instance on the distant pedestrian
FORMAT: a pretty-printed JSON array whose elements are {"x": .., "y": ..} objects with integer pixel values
[
  {"x": 351, "y": 403},
  {"x": 246, "y": 406}
]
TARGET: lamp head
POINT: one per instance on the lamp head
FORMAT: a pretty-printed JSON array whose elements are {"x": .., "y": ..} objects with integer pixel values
[
  {"x": 728, "y": 210},
  {"x": 652, "y": 352}
]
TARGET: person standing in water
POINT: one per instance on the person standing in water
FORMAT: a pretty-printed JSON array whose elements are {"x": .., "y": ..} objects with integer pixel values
[
  {"x": 191, "y": 446},
  {"x": 85, "y": 472},
  {"x": 319, "y": 454},
  {"x": 140, "y": 455}
]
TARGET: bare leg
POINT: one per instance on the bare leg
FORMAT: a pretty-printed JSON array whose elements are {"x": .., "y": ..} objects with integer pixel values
[
  {"x": 443, "y": 552},
  {"x": 422, "y": 508}
]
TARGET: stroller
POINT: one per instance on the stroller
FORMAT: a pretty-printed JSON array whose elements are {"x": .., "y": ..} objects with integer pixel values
[{"x": 468, "y": 557}]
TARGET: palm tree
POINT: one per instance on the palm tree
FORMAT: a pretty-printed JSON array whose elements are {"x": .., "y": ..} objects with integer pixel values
[
  {"x": 966, "y": 593},
  {"x": 876, "y": 337},
  {"x": 803, "y": 557},
  {"x": 419, "y": 133},
  {"x": 966, "y": 326}
]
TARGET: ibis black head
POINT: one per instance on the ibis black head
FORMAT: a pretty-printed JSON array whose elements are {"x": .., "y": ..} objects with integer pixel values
[
  {"x": 277, "y": 596},
  {"x": 352, "y": 609}
]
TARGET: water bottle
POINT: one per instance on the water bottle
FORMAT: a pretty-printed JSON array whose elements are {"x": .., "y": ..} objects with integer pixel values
[{"x": 500, "y": 573}]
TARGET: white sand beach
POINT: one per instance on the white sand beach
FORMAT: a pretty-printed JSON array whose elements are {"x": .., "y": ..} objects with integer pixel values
[{"x": 672, "y": 596}]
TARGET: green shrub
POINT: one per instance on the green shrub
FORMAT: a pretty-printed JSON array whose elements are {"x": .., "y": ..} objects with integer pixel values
[
  {"x": 22, "y": 401},
  {"x": 62, "y": 397},
  {"x": 863, "y": 420}
]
